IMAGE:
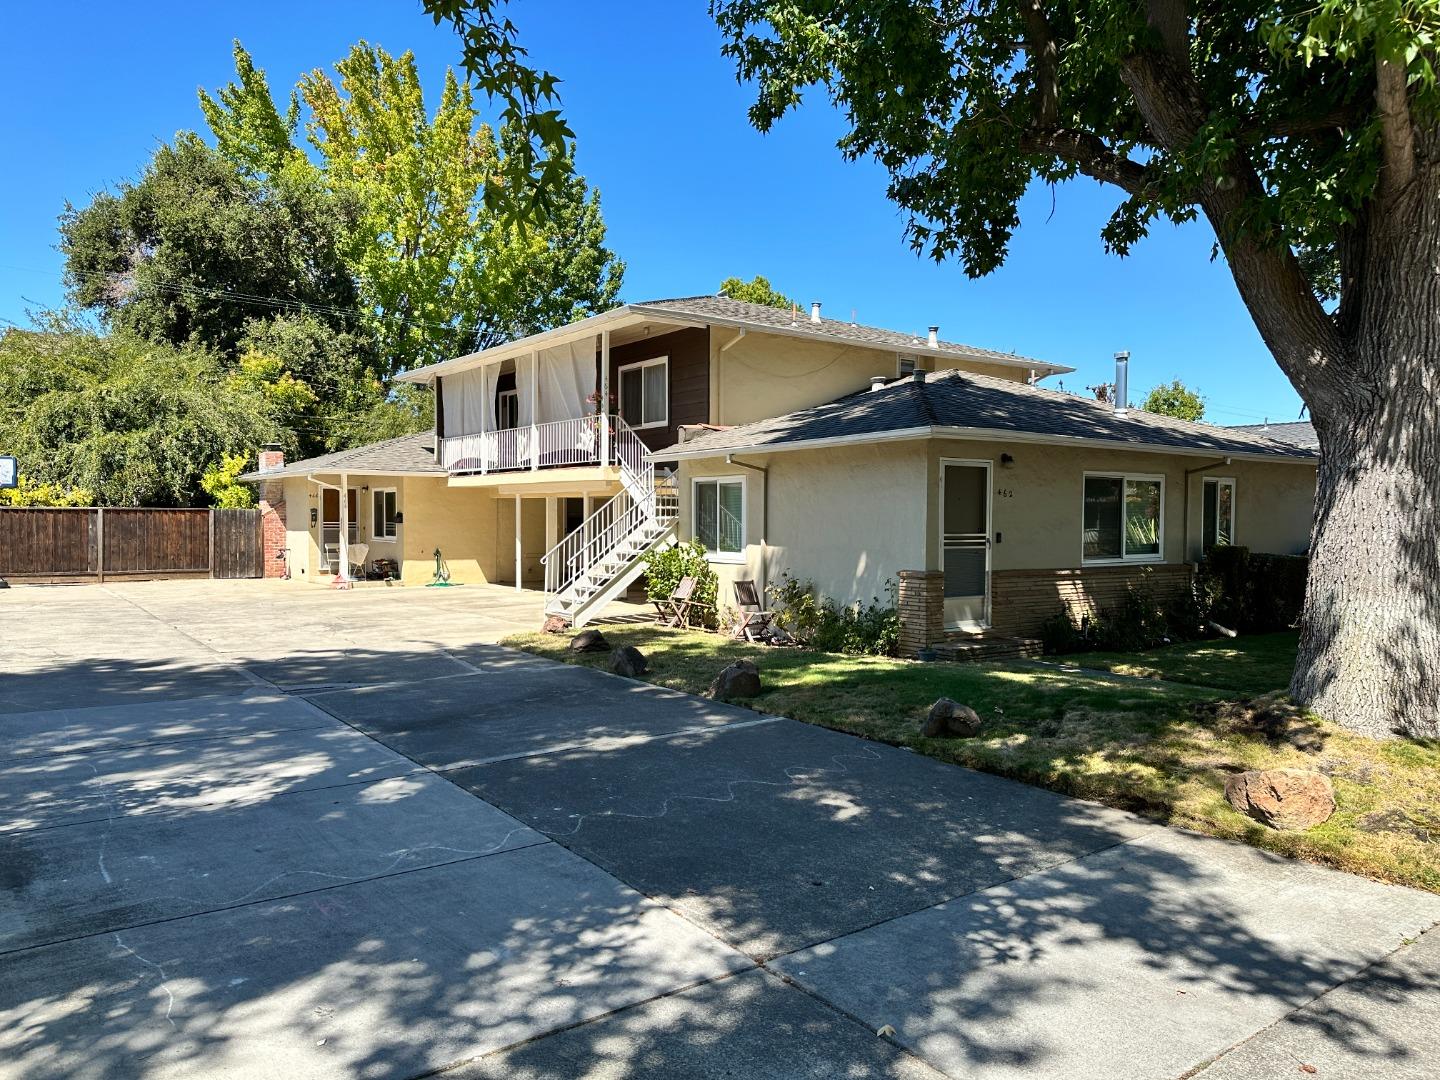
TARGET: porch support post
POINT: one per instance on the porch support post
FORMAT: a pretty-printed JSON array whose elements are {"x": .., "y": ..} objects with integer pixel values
[
  {"x": 604, "y": 409},
  {"x": 534, "y": 397},
  {"x": 519, "y": 548},
  {"x": 344, "y": 527}
]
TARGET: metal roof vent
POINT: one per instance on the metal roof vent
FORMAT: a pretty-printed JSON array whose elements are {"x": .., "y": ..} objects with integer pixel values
[
  {"x": 1122, "y": 382},
  {"x": 815, "y": 311},
  {"x": 877, "y": 382}
]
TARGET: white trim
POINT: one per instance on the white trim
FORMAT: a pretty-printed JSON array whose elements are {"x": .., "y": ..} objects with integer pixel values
[
  {"x": 374, "y": 536},
  {"x": 654, "y": 361},
  {"x": 979, "y": 435},
  {"x": 722, "y": 556},
  {"x": 988, "y": 464},
  {"x": 1218, "y": 480},
  {"x": 1124, "y": 478},
  {"x": 499, "y": 399}
]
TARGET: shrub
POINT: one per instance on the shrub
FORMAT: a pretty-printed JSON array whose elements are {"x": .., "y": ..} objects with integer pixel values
[
  {"x": 665, "y": 567},
  {"x": 1254, "y": 591},
  {"x": 869, "y": 629}
]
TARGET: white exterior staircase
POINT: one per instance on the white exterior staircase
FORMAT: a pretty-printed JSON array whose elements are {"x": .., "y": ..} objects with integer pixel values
[{"x": 598, "y": 561}]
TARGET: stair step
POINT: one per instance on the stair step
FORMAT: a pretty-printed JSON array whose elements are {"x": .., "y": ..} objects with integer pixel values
[{"x": 974, "y": 648}]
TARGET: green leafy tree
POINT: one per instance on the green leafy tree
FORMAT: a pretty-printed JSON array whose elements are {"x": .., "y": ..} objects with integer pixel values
[
  {"x": 222, "y": 483},
  {"x": 1306, "y": 134},
  {"x": 755, "y": 291},
  {"x": 440, "y": 274},
  {"x": 134, "y": 422},
  {"x": 1175, "y": 399},
  {"x": 249, "y": 129},
  {"x": 195, "y": 249}
]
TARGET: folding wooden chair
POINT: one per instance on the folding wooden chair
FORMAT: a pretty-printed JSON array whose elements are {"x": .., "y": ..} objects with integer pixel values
[
  {"x": 754, "y": 619},
  {"x": 680, "y": 603}
]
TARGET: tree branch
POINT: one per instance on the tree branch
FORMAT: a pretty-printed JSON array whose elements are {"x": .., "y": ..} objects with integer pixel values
[
  {"x": 1171, "y": 20},
  {"x": 1397, "y": 134},
  {"x": 1045, "y": 55},
  {"x": 1088, "y": 153}
]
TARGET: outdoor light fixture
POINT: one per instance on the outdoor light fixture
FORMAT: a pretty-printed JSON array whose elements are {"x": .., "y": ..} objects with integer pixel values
[{"x": 1006, "y": 461}]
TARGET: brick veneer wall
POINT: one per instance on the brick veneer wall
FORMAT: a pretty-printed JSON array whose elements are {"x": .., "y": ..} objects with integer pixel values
[
  {"x": 921, "y": 604},
  {"x": 1021, "y": 600},
  {"x": 272, "y": 515}
]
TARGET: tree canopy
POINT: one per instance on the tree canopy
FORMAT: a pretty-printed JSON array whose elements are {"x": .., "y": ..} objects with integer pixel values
[
  {"x": 132, "y": 422},
  {"x": 1175, "y": 399},
  {"x": 755, "y": 291}
]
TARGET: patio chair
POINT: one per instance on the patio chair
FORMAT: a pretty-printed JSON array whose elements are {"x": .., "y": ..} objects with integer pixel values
[
  {"x": 358, "y": 554},
  {"x": 754, "y": 619},
  {"x": 675, "y": 610}
]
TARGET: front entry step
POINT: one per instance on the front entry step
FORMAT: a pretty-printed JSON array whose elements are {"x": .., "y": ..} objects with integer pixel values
[{"x": 973, "y": 648}]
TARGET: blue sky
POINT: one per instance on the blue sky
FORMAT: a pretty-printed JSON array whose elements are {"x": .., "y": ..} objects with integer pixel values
[{"x": 691, "y": 193}]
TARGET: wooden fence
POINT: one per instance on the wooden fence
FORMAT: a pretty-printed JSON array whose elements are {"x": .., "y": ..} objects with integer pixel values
[{"x": 101, "y": 542}]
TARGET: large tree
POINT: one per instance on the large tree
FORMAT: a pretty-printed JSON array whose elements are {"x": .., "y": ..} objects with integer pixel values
[
  {"x": 1305, "y": 133},
  {"x": 195, "y": 249},
  {"x": 755, "y": 291},
  {"x": 134, "y": 422}
]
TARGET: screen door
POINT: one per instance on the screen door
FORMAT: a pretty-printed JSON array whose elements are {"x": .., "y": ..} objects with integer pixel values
[{"x": 965, "y": 542}]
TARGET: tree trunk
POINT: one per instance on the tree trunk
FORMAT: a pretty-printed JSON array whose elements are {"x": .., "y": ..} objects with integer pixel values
[{"x": 1370, "y": 634}]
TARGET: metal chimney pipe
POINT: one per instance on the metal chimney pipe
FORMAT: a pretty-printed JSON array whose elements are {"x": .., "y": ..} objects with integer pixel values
[
  {"x": 1122, "y": 382},
  {"x": 877, "y": 382},
  {"x": 934, "y": 336},
  {"x": 815, "y": 311}
]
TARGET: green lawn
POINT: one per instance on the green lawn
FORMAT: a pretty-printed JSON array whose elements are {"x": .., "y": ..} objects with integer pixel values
[
  {"x": 1250, "y": 665},
  {"x": 1146, "y": 746}
]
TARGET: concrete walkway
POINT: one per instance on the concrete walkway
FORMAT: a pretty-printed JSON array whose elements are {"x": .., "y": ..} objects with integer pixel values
[{"x": 253, "y": 831}]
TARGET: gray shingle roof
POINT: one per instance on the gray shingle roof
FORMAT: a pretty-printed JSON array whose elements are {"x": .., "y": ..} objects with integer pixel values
[
  {"x": 1296, "y": 433},
  {"x": 762, "y": 317},
  {"x": 408, "y": 454},
  {"x": 956, "y": 399}
]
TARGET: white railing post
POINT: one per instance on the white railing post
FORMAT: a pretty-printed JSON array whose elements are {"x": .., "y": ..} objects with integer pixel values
[
  {"x": 603, "y": 411},
  {"x": 534, "y": 395}
]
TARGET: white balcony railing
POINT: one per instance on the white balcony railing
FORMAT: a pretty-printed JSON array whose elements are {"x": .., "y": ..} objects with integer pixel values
[{"x": 559, "y": 443}]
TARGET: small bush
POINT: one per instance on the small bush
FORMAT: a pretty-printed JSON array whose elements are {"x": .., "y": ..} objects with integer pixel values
[
  {"x": 665, "y": 567},
  {"x": 866, "y": 629}
]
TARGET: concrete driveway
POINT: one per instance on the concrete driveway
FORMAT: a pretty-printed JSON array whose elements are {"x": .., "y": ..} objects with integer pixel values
[{"x": 254, "y": 830}]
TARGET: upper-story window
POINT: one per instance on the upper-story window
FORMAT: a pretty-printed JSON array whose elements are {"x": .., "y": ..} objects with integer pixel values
[
  {"x": 645, "y": 393},
  {"x": 1124, "y": 518},
  {"x": 507, "y": 409},
  {"x": 904, "y": 365}
]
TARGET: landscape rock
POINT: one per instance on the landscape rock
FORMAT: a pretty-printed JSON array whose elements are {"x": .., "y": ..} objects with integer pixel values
[
  {"x": 1289, "y": 799},
  {"x": 555, "y": 624},
  {"x": 739, "y": 680},
  {"x": 628, "y": 661},
  {"x": 948, "y": 718},
  {"x": 589, "y": 641}
]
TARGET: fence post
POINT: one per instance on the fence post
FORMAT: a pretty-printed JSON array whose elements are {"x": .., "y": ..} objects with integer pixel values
[
  {"x": 100, "y": 544},
  {"x": 212, "y": 542}
]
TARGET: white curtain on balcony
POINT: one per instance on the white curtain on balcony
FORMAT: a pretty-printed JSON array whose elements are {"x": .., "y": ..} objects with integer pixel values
[
  {"x": 469, "y": 400},
  {"x": 567, "y": 378}
]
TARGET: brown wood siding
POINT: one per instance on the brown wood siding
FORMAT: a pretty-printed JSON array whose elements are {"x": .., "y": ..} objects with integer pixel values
[
  {"x": 1021, "y": 600},
  {"x": 689, "y": 353}
]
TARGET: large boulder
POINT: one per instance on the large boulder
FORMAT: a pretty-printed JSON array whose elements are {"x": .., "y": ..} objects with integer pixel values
[
  {"x": 1282, "y": 798},
  {"x": 739, "y": 680},
  {"x": 589, "y": 641},
  {"x": 948, "y": 718},
  {"x": 628, "y": 661}
]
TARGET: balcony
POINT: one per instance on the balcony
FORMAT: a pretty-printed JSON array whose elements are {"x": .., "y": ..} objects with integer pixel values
[{"x": 587, "y": 440}]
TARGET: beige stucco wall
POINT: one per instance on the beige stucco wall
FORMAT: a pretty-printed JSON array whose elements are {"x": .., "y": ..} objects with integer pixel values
[
  {"x": 765, "y": 375},
  {"x": 851, "y": 518},
  {"x": 847, "y": 519},
  {"x": 301, "y": 554},
  {"x": 461, "y": 522}
]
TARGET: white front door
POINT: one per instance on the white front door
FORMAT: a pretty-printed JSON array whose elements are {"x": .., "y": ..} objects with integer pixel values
[{"x": 965, "y": 542}]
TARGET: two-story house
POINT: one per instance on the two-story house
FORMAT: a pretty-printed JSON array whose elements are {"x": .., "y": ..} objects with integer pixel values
[{"x": 785, "y": 441}]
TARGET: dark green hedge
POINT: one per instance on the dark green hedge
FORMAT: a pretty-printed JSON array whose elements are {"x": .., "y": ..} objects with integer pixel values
[{"x": 1253, "y": 591}]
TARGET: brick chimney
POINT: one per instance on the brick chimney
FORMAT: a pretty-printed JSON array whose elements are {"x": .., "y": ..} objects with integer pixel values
[{"x": 272, "y": 511}]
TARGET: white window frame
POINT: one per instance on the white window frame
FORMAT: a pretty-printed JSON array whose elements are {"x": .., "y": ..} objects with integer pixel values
[
  {"x": 375, "y": 535},
  {"x": 499, "y": 407},
  {"x": 1124, "y": 478},
  {"x": 1217, "y": 480},
  {"x": 654, "y": 361},
  {"x": 721, "y": 556}
]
